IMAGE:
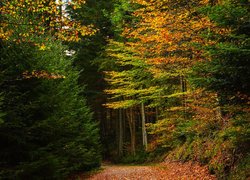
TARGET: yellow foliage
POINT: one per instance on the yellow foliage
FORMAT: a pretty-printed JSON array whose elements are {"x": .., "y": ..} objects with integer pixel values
[{"x": 25, "y": 17}]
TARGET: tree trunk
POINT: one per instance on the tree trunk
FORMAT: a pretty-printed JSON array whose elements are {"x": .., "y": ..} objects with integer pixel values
[
  {"x": 131, "y": 123},
  {"x": 120, "y": 139},
  {"x": 144, "y": 133}
]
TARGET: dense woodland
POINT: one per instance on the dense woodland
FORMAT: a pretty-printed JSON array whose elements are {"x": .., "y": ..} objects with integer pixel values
[{"x": 128, "y": 81}]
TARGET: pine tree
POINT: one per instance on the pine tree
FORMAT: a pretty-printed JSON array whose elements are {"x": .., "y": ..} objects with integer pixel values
[
  {"x": 227, "y": 65},
  {"x": 48, "y": 131}
]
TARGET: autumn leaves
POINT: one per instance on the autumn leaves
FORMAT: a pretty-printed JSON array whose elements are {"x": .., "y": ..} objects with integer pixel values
[
  {"x": 24, "y": 18},
  {"x": 181, "y": 59}
]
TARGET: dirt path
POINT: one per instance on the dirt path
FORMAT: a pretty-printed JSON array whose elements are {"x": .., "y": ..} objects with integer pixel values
[{"x": 164, "y": 171}]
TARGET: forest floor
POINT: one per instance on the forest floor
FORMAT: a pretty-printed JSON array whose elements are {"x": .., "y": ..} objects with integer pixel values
[{"x": 163, "y": 171}]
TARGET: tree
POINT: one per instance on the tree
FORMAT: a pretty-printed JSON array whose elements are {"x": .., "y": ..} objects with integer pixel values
[
  {"x": 129, "y": 85},
  {"x": 47, "y": 126},
  {"x": 33, "y": 17},
  {"x": 48, "y": 131},
  {"x": 96, "y": 13},
  {"x": 225, "y": 70},
  {"x": 208, "y": 40}
]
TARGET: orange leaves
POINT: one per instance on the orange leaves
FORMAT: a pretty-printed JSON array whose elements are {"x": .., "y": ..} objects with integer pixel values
[
  {"x": 166, "y": 170},
  {"x": 163, "y": 32}
]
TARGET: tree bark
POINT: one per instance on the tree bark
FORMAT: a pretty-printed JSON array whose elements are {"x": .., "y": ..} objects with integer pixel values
[
  {"x": 120, "y": 139},
  {"x": 144, "y": 133},
  {"x": 131, "y": 123}
]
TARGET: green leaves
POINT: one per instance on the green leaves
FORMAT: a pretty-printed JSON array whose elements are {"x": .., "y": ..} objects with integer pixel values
[{"x": 227, "y": 14}]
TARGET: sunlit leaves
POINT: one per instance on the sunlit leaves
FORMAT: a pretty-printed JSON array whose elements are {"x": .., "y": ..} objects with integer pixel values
[
  {"x": 128, "y": 85},
  {"x": 40, "y": 17},
  {"x": 169, "y": 29}
]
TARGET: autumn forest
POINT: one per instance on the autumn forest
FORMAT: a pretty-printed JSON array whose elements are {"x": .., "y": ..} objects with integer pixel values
[{"x": 125, "y": 82}]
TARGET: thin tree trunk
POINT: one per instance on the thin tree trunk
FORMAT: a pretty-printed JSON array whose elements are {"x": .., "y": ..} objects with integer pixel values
[
  {"x": 124, "y": 124},
  {"x": 133, "y": 138},
  {"x": 120, "y": 143},
  {"x": 132, "y": 129},
  {"x": 144, "y": 133}
]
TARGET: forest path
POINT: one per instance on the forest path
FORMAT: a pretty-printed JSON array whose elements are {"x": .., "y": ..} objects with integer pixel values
[{"x": 163, "y": 171}]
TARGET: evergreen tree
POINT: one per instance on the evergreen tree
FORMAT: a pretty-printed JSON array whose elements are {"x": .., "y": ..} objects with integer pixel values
[
  {"x": 226, "y": 67},
  {"x": 48, "y": 129}
]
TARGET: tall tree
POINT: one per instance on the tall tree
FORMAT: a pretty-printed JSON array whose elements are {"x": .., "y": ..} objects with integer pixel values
[
  {"x": 48, "y": 130},
  {"x": 129, "y": 85}
]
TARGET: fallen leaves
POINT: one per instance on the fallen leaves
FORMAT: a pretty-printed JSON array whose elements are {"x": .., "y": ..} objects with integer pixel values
[{"x": 163, "y": 171}]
